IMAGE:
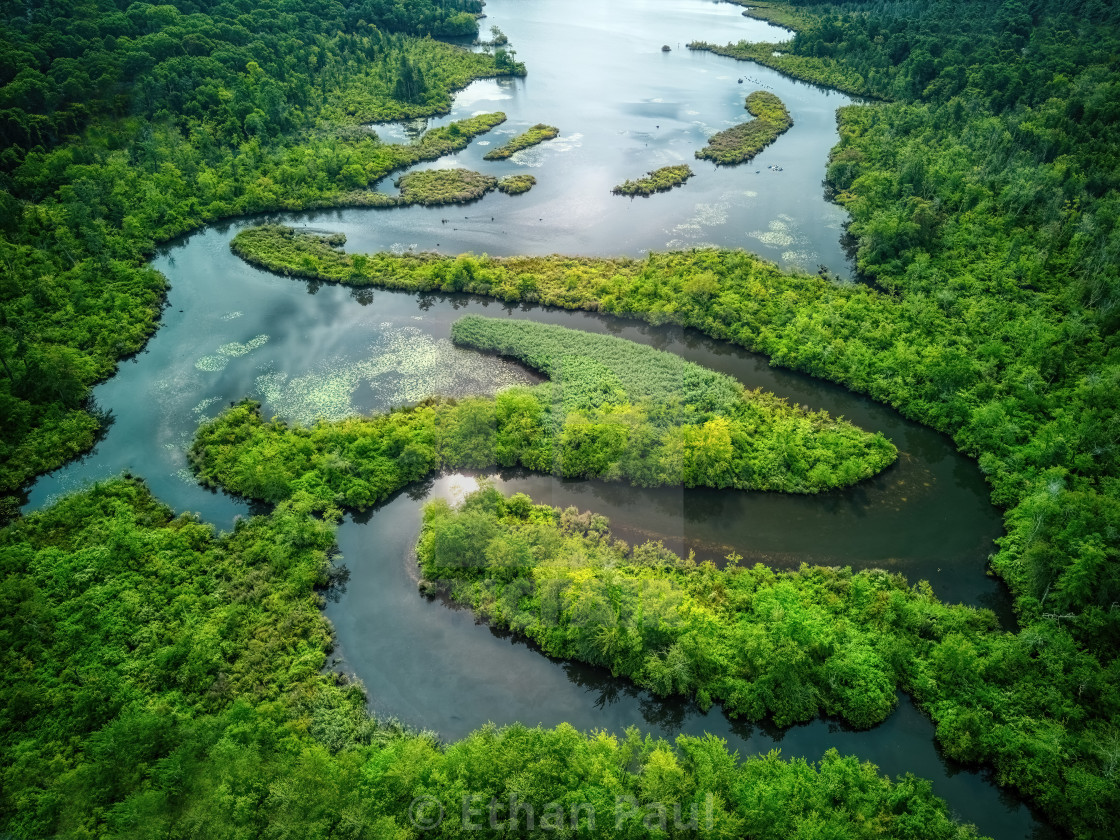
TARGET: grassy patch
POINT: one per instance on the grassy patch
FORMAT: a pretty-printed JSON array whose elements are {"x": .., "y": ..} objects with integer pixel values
[
  {"x": 516, "y": 184},
  {"x": 537, "y": 134},
  {"x": 744, "y": 141},
  {"x": 444, "y": 186},
  {"x": 659, "y": 180}
]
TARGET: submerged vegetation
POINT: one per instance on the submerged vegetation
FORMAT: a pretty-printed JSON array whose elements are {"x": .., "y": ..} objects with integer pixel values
[
  {"x": 85, "y": 195},
  {"x": 742, "y": 142},
  {"x": 659, "y": 180},
  {"x": 612, "y": 409},
  {"x": 536, "y": 134}
]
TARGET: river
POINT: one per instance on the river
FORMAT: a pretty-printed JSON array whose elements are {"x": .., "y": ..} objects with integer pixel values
[{"x": 623, "y": 106}]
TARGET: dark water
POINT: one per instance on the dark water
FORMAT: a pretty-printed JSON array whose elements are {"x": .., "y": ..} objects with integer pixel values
[{"x": 623, "y": 107}]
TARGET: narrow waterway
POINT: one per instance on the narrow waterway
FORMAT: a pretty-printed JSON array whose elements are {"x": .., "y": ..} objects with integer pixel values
[{"x": 624, "y": 107}]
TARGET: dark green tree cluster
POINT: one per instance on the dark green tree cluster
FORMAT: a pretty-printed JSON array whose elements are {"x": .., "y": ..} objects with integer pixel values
[
  {"x": 984, "y": 207},
  {"x": 786, "y": 646},
  {"x": 159, "y": 681},
  {"x": 659, "y": 180},
  {"x": 990, "y": 192},
  {"x": 73, "y": 61},
  {"x": 742, "y": 142},
  {"x": 1021, "y": 374}
]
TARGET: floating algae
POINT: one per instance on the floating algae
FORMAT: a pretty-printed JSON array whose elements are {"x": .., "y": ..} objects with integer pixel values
[
  {"x": 218, "y": 360},
  {"x": 404, "y": 366}
]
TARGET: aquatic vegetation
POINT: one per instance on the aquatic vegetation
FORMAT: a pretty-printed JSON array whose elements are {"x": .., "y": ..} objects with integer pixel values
[
  {"x": 402, "y": 366},
  {"x": 221, "y": 357},
  {"x": 537, "y": 134},
  {"x": 612, "y": 409},
  {"x": 982, "y": 203},
  {"x": 658, "y": 180},
  {"x": 742, "y": 142},
  {"x": 516, "y": 184},
  {"x": 444, "y": 186}
]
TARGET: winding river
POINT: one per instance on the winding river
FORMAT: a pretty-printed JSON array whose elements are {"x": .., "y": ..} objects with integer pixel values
[{"x": 623, "y": 107}]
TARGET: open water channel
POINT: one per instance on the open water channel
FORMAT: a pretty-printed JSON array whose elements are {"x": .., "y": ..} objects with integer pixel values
[{"x": 623, "y": 106}]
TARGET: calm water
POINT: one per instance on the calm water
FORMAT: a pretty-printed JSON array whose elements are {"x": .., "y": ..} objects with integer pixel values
[{"x": 623, "y": 107}]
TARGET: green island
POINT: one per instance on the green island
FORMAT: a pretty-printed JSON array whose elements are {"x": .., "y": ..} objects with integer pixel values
[
  {"x": 785, "y": 646},
  {"x": 534, "y": 135},
  {"x": 443, "y": 186},
  {"x": 159, "y": 679},
  {"x": 516, "y": 184},
  {"x": 612, "y": 409},
  {"x": 658, "y": 180},
  {"x": 742, "y": 142}
]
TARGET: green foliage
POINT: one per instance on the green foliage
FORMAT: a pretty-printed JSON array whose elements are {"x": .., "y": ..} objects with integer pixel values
[
  {"x": 125, "y": 630},
  {"x": 782, "y": 645},
  {"x": 613, "y": 409},
  {"x": 516, "y": 184},
  {"x": 742, "y": 142},
  {"x": 658, "y": 180},
  {"x": 191, "y": 119},
  {"x": 534, "y": 135},
  {"x": 444, "y": 186},
  {"x": 159, "y": 680},
  {"x": 983, "y": 201}
]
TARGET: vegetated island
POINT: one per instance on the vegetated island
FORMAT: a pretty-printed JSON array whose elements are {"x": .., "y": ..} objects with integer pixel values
[
  {"x": 742, "y": 142},
  {"x": 658, "y": 180},
  {"x": 613, "y": 409},
  {"x": 424, "y": 189},
  {"x": 516, "y": 184},
  {"x": 736, "y": 635},
  {"x": 431, "y": 187},
  {"x": 537, "y": 134}
]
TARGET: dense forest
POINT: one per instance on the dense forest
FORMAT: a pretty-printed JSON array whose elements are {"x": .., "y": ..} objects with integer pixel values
[{"x": 160, "y": 680}]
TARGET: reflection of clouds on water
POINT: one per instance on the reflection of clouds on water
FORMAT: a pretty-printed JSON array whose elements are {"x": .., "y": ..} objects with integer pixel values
[
  {"x": 217, "y": 361},
  {"x": 456, "y": 487},
  {"x": 403, "y": 366},
  {"x": 485, "y": 91},
  {"x": 707, "y": 129},
  {"x": 482, "y": 142}
]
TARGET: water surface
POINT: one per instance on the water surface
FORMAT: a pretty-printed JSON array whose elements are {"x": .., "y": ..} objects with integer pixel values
[{"x": 623, "y": 107}]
